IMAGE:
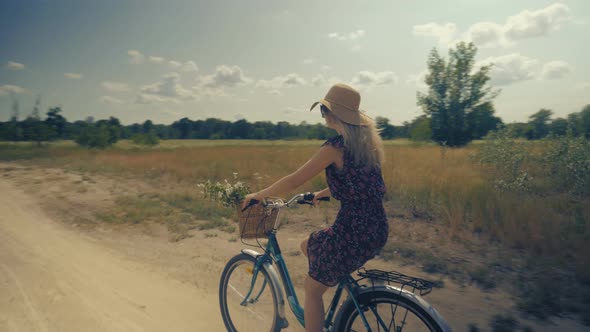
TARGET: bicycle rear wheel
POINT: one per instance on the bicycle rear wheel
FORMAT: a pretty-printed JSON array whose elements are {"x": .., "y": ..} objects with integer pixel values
[
  {"x": 385, "y": 311},
  {"x": 260, "y": 311}
]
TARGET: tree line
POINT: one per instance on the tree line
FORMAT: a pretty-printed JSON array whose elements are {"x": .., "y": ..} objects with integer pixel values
[
  {"x": 103, "y": 133},
  {"x": 457, "y": 108}
]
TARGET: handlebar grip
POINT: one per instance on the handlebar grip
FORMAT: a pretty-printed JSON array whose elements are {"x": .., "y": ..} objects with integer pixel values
[
  {"x": 252, "y": 202},
  {"x": 309, "y": 197}
]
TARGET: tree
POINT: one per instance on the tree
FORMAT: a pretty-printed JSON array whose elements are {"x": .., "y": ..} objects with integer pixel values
[
  {"x": 539, "y": 124},
  {"x": 56, "y": 122},
  {"x": 35, "y": 129},
  {"x": 147, "y": 126},
  {"x": 13, "y": 131},
  {"x": 183, "y": 127},
  {"x": 387, "y": 130},
  {"x": 420, "y": 129},
  {"x": 558, "y": 127},
  {"x": 580, "y": 122},
  {"x": 481, "y": 120},
  {"x": 454, "y": 91},
  {"x": 240, "y": 129},
  {"x": 15, "y": 108}
]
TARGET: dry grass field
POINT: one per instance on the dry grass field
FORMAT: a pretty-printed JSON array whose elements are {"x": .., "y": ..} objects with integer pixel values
[{"x": 456, "y": 222}]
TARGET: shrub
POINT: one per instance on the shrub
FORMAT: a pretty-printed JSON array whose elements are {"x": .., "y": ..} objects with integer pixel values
[
  {"x": 95, "y": 137},
  {"x": 149, "y": 138},
  {"x": 507, "y": 156},
  {"x": 567, "y": 161}
]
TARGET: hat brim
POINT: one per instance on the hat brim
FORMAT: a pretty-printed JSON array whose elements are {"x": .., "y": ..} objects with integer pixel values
[{"x": 353, "y": 117}]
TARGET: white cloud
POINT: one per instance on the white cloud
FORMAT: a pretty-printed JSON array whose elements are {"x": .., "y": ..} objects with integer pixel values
[
  {"x": 153, "y": 99},
  {"x": 511, "y": 68},
  {"x": 168, "y": 89},
  {"x": 111, "y": 100},
  {"x": 135, "y": 57},
  {"x": 555, "y": 70},
  {"x": 156, "y": 59},
  {"x": 524, "y": 25},
  {"x": 11, "y": 89},
  {"x": 293, "y": 80},
  {"x": 73, "y": 76},
  {"x": 287, "y": 81},
  {"x": 443, "y": 32},
  {"x": 115, "y": 86},
  {"x": 347, "y": 36},
  {"x": 171, "y": 112},
  {"x": 308, "y": 61},
  {"x": 318, "y": 80},
  {"x": 174, "y": 64},
  {"x": 530, "y": 24},
  {"x": 368, "y": 78},
  {"x": 487, "y": 34},
  {"x": 190, "y": 66},
  {"x": 14, "y": 65},
  {"x": 224, "y": 76}
]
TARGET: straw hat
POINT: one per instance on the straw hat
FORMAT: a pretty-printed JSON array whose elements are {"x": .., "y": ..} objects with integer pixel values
[{"x": 343, "y": 101}]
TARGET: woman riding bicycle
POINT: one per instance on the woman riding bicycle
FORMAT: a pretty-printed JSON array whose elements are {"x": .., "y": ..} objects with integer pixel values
[{"x": 352, "y": 162}]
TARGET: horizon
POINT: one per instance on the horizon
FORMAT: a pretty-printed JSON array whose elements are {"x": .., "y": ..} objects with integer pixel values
[{"x": 268, "y": 61}]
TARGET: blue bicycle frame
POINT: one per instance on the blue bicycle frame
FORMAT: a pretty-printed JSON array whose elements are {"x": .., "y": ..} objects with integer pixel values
[{"x": 273, "y": 254}]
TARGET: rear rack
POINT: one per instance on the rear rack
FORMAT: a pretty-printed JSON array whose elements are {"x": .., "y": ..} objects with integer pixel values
[{"x": 422, "y": 285}]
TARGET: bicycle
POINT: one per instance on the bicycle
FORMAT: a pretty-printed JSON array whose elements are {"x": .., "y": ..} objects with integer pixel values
[{"x": 251, "y": 297}]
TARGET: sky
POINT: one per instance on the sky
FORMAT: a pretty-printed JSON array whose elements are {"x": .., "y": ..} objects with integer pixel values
[{"x": 270, "y": 60}]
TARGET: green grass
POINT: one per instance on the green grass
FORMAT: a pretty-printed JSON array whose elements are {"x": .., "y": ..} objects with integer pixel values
[{"x": 180, "y": 213}]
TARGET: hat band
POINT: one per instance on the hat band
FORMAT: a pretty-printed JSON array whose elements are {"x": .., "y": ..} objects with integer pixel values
[{"x": 348, "y": 108}]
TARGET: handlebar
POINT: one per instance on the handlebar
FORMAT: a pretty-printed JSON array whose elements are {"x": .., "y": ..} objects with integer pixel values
[{"x": 305, "y": 198}]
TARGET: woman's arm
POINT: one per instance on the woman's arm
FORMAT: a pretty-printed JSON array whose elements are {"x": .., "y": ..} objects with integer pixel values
[{"x": 318, "y": 162}]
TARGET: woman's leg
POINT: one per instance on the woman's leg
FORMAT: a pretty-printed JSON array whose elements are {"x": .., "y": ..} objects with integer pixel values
[
  {"x": 314, "y": 305},
  {"x": 304, "y": 247},
  {"x": 314, "y": 302}
]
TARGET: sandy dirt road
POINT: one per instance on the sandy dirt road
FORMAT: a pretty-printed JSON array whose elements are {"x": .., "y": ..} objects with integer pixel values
[
  {"x": 56, "y": 275},
  {"x": 53, "y": 279}
]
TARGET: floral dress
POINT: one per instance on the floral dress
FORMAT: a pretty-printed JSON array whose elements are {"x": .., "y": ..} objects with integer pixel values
[{"x": 360, "y": 230}]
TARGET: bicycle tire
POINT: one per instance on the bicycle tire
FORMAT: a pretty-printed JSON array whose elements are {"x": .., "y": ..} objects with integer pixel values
[
  {"x": 235, "y": 282},
  {"x": 390, "y": 303}
]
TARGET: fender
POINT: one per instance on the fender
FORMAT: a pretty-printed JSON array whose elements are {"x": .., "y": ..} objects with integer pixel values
[
  {"x": 274, "y": 280},
  {"x": 415, "y": 298}
]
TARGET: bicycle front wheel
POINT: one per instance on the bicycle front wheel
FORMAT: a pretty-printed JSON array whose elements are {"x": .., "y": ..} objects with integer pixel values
[
  {"x": 385, "y": 311},
  {"x": 257, "y": 312}
]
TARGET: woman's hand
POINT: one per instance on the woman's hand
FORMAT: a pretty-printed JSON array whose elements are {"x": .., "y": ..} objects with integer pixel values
[
  {"x": 248, "y": 198},
  {"x": 317, "y": 195}
]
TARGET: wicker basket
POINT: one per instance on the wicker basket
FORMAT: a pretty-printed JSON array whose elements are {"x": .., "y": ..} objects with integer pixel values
[{"x": 257, "y": 221}]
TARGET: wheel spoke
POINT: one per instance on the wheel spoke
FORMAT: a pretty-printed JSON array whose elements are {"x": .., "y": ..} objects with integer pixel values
[
  {"x": 256, "y": 313},
  {"x": 386, "y": 313}
]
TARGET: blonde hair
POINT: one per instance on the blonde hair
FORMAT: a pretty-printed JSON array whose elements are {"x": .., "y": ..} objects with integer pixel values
[{"x": 363, "y": 142}]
